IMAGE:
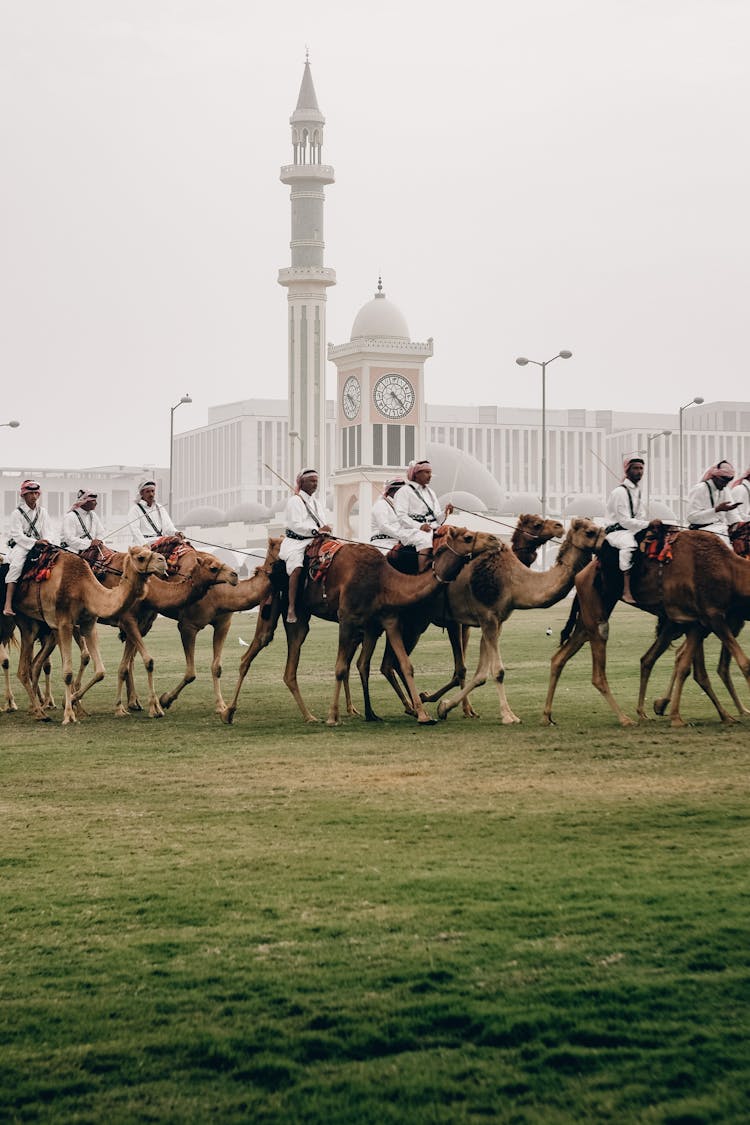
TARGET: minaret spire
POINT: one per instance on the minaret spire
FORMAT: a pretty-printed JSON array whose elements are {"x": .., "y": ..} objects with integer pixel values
[{"x": 306, "y": 281}]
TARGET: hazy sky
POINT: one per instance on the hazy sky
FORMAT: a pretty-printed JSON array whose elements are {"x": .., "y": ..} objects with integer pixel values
[{"x": 527, "y": 176}]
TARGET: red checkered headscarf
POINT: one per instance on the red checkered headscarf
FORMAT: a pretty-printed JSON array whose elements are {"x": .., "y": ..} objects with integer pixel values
[
  {"x": 30, "y": 486},
  {"x": 414, "y": 467},
  {"x": 301, "y": 476},
  {"x": 629, "y": 460},
  {"x": 721, "y": 469}
]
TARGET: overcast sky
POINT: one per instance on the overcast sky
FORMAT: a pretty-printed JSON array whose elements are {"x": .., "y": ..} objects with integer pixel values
[{"x": 527, "y": 176}]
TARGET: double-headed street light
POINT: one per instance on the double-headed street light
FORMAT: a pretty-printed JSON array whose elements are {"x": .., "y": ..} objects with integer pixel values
[
  {"x": 522, "y": 361},
  {"x": 693, "y": 402},
  {"x": 649, "y": 439},
  {"x": 184, "y": 399}
]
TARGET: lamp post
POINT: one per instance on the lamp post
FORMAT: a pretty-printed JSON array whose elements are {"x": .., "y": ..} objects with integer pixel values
[
  {"x": 649, "y": 439},
  {"x": 693, "y": 402},
  {"x": 522, "y": 361},
  {"x": 13, "y": 425},
  {"x": 298, "y": 436},
  {"x": 184, "y": 399}
]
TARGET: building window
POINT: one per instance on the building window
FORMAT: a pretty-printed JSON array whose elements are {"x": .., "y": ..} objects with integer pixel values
[
  {"x": 377, "y": 444},
  {"x": 409, "y": 435},
  {"x": 393, "y": 437}
]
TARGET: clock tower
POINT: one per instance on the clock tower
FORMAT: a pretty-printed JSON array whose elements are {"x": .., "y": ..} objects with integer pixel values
[{"x": 380, "y": 414}]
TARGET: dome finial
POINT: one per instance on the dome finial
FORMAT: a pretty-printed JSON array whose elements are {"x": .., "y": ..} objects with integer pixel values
[
  {"x": 380, "y": 292},
  {"x": 307, "y": 54}
]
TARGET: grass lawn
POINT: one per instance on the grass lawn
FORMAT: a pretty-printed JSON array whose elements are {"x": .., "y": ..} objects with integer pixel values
[{"x": 273, "y": 922}]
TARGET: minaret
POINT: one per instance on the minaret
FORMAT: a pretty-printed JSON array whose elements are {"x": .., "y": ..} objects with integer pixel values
[{"x": 306, "y": 281}]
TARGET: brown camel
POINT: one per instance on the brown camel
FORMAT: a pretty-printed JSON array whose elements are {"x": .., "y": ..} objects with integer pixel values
[
  {"x": 366, "y": 595},
  {"x": 216, "y": 608},
  {"x": 488, "y": 591},
  {"x": 191, "y": 573},
  {"x": 71, "y": 597},
  {"x": 704, "y": 588},
  {"x": 195, "y": 573},
  {"x": 530, "y": 533}
]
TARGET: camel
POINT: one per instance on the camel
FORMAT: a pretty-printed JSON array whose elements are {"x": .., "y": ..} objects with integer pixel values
[
  {"x": 530, "y": 533},
  {"x": 216, "y": 608},
  {"x": 488, "y": 591},
  {"x": 194, "y": 572},
  {"x": 705, "y": 588},
  {"x": 7, "y": 638},
  {"x": 365, "y": 594},
  {"x": 71, "y": 597}
]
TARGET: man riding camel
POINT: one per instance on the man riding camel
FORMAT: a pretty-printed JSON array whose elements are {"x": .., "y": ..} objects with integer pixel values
[
  {"x": 29, "y": 524},
  {"x": 81, "y": 526},
  {"x": 418, "y": 508},
  {"x": 304, "y": 518},
  {"x": 625, "y": 515},
  {"x": 384, "y": 521},
  {"x": 711, "y": 506},
  {"x": 148, "y": 520}
]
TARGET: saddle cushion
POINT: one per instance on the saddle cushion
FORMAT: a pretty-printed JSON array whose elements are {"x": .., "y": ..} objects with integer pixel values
[
  {"x": 319, "y": 554},
  {"x": 39, "y": 562}
]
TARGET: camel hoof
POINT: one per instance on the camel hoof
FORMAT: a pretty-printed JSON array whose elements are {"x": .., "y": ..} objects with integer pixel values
[
  {"x": 677, "y": 723},
  {"x": 155, "y": 713},
  {"x": 135, "y": 706},
  {"x": 311, "y": 719},
  {"x": 43, "y": 718},
  {"x": 548, "y": 721},
  {"x": 427, "y": 722},
  {"x": 660, "y": 706},
  {"x": 626, "y": 722},
  {"x": 227, "y": 715},
  {"x": 371, "y": 717},
  {"x": 49, "y": 705},
  {"x": 352, "y": 711},
  {"x": 442, "y": 711},
  {"x": 729, "y": 720},
  {"x": 121, "y": 713},
  {"x": 165, "y": 702},
  {"x": 333, "y": 723}
]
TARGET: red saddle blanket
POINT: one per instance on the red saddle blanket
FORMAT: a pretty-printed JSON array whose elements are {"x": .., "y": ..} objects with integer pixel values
[
  {"x": 39, "y": 563},
  {"x": 172, "y": 548},
  {"x": 320, "y": 554},
  {"x": 657, "y": 541}
]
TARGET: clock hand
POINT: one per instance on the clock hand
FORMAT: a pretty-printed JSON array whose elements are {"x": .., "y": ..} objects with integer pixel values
[{"x": 400, "y": 401}]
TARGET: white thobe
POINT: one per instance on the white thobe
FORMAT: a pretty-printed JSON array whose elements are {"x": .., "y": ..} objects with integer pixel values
[
  {"x": 78, "y": 534},
  {"x": 701, "y": 509},
  {"x": 25, "y": 539},
  {"x": 385, "y": 525},
  {"x": 625, "y": 507},
  {"x": 741, "y": 493},
  {"x": 146, "y": 523},
  {"x": 303, "y": 516},
  {"x": 416, "y": 504}
]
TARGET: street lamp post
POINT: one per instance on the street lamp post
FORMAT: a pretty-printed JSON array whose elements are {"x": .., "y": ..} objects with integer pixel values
[
  {"x": 693, "y": 402},
  {"x": 184, "y": 399},
  {"x": 298, "y": 436},
  {"x": 649, "y": 439},
  {"x": 522, "y": 361},
  {"x": 13, "y": 425}
]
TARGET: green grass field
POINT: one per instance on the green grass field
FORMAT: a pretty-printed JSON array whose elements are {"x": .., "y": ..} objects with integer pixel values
[{"x": 274, "y": 922}]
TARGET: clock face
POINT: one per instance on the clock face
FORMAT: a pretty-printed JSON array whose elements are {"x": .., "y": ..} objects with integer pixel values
[
  {"x": 394, "y": 396},
  {"x": 351, "y": 397}
]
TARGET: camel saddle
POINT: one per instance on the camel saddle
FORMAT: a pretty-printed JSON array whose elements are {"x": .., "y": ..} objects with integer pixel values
[
  {"x": 171, "y": 548},
  {"x": 407, "y": 560},
  {"x": 657, "y": 541},
  {"x": 319, "y": 554},
  {"x": 99, "y": 559},
  {"x": 39, "y": 562},
  {"x": 739, "y": 537}
]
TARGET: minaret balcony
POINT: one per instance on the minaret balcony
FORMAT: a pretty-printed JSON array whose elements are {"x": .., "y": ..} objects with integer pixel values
[
  {"x": 299, "y": 173},
  {"x": 300, "y": 275}
]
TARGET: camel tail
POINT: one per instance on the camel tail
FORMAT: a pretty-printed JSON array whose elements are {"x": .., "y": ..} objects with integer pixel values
[{"x": 570, "y": 624}]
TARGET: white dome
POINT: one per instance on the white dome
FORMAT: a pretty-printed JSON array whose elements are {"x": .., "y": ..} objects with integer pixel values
[
  {"x": 455, "y": 470},
  {"x": 378, "y": 319}
]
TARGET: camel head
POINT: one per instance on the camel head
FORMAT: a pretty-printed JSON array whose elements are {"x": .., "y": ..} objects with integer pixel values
[
  {"x": 212, "y": 571},
  {"x": 584, "y": 537},
  {"x": 534, "y": 530},
  {"x": 142, "y": 560},
  {"x": 463, "y": 542}
]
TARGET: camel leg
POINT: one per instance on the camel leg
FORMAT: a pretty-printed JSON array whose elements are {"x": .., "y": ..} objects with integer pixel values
[
  {"x": 458, "y": 635},
  {"x": 65, "y": 645},
  {"x": 91, "y": 641},
  {"x": 25, "y": 674},
  {"x": 682, "y": 664},
  {"x": 296, "y": 632},
  {"x": 390, "y": 669},
  {"x": 393, "y": 633},
  {"x": 188, "y": 636},
  {"x": 700, "y": 675},
  {"x": 726, "y": 679},
  {"x": 221, "y": 629},
  {"x": 10, "y": 702},
  {"x": 363, "y": 667},
  {"x": 125, "y": 682},
  {"x": 265, "y": 629},
  {"x": 349, "y": 640},
  {"x": 721, "y": 628},
  {"x": 490, "y": 634},
  {"x": 666, "y": 633}
]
